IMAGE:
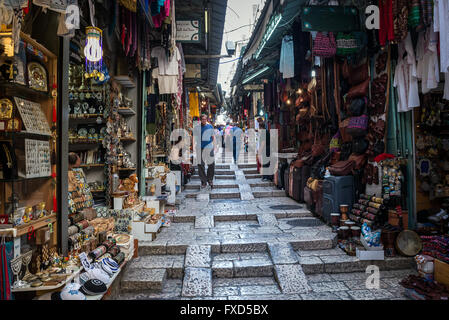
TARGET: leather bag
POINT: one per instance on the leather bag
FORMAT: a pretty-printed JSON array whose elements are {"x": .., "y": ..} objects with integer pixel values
[
  {"x": 342, "y": 168},
  {"x": 358, "y": 75},
  {"x": 359, "y": 146},
  {"x": 359, "y": 160},
  {"x": 358, "y": 126},
  {"x": 360, "y": 90},
  {"x": 324, "y": 45},
  {"x": 358, "y": 106}
]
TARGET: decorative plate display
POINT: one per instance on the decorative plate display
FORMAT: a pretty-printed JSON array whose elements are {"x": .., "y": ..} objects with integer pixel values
[
  {"x": 37, "y": 77},
  {"x": 82, "y": 132},
  {"x": 6, "y": 108},
  {"x": 92, "y": 131}
]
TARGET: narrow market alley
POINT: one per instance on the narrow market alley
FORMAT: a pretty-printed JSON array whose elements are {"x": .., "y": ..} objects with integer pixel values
[{"x": 246, "y": 240}]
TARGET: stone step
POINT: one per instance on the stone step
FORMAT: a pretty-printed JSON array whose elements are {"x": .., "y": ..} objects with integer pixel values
[
  {"x": 271, "y": 193},
  {"x": 253, "y": 176},
  {"x": 221, "y": 177},
  {"x": 242, "y": 265},
  {"x": 136, "y": 279},
  {"x": 247, "y": 166},
  {"x": 173, "y": 264},
  {"x": 197, "y": 186},
  {"x": 291, "y": 278},
  {"x": 337, "y": 261},
  {"x": 262, "y": 184},
  {"x": 248, "y": 172},
  {"x": 197, "y": 282},
  {"x": 222, "y": 167},
  {"x": 225, "y": 195}
]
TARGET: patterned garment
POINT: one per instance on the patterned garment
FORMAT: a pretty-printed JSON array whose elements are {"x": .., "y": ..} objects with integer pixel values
[
  {"x": 400, "y": 17},
  {"x": 414, "y": 16},
  {"x": 427, "y": 12}
]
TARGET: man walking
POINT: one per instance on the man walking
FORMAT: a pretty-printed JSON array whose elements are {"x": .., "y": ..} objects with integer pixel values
[
  {"x": 237, "y": 141},
  {"x": 207, "y": 153}
]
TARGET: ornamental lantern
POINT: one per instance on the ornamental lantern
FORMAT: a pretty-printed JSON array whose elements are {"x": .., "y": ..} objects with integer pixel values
[{"x": 93, "y": 51}]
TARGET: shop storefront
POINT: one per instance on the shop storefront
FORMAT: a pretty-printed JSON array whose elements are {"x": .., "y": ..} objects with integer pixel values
[
  {"x": 87, "y": 114},
  {"x": 364, "y": 113}
]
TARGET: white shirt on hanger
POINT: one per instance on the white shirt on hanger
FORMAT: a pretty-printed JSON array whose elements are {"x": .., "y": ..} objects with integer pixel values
[
  {"x": 166, "y": 84},
  {"x": 168, "y": 66},
  {"x": 428, "y": 69},
  {"x": 405, "y": 77}
]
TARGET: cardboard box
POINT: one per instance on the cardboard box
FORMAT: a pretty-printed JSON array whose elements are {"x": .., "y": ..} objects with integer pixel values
[
  {"x": 441, "y": 273},
  {"x": 370, "y": 254}
]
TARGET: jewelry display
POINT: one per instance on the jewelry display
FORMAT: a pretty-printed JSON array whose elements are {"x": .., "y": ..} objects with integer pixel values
[
  {"x": 37, "y": 158},
  {"x": 33, "y": 118}
]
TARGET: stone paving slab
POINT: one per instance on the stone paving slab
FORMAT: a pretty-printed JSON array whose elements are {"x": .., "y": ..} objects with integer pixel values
[
  {"x": 267, "y": 219},
  {"x": 204, "y": 222},
  {"x": 282, "y": 253},
  {"x": 156, "y": 262},
  {"x": 260, "y": 290},
  {"x": 198, "y": 257},
  {"x": 197, "y": 282},
  {"x": 143, "y": 279},
  {"x": 222, "y": 269},
  {"x": 291, "y": 278},
  {"x": 328, "y": 286}
]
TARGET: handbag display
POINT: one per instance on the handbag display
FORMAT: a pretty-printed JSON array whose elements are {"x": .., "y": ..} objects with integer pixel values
[
  {"x": 360, "y": 90},
  {"x": 342, "y": 168},
  {"x": 358, "y": 74},
  {"x": 359, "y": 146},
  {"x": 324, "y": 45},
  {"x": 358, "y": 107},
  {"x": 359, "y": 160},
  {"x": 347, "y": 44},
  {"x": 343, "y": 126},
  {"x": 357, "y": 126}
]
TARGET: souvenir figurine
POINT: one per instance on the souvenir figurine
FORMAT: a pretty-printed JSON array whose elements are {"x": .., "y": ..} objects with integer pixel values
[{"x": 27, "y": 215}]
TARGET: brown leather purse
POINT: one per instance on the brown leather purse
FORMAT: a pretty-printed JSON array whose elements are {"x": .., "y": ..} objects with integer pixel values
[
  {"x": 345, "y": 137},
  {"x": 342, "y": 168},
  {"x": 358, "y": 74},
  {"x": 359, "y": 160},
  {"x": 360, "y": 90}
]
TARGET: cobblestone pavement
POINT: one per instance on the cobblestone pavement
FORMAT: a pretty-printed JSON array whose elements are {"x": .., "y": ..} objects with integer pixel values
[
  {"x": 245, "y": 240},
  {"x": 339, "y": 286}
]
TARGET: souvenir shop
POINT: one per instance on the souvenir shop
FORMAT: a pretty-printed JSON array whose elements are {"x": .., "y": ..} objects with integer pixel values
[
  {"x": 362, "y": 120},
  {"x": 74, "y": 202}
]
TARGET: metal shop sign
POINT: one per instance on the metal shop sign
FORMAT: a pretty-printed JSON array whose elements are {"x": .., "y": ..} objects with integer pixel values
[{"x": 188, "y": 31}]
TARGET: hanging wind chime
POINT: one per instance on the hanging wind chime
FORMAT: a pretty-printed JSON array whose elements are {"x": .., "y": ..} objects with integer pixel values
[{"x": 93, "y": 51}]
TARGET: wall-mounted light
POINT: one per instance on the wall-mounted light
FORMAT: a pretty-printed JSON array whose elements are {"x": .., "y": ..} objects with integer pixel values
[
  {"x": 289, "y": 102},
  {"x": 313, "y": 73},
  {"x": 299, "y": 91},
  {"x": 206, "y": 20}
]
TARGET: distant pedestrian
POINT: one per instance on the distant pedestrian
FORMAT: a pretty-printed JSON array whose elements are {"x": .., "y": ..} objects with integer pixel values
[
  {"x": 236, "y": 141},
  {"x": 208, "y": 145}
]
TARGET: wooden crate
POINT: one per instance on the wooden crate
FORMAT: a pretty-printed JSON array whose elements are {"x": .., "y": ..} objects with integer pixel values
[{"x": 441, "y": 273}]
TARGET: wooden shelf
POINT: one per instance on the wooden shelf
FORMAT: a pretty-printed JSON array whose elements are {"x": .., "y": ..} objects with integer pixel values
[
  {"x": 35, "y": 224},
  {"x": 93, "y": 165},
  {"x": 19, "y": 90},
  {"x": 23, "y": 179},
  {"x": 126, "y": 111},
  {"x": 48, "y": 288},
  {"x": 128, "y": 140},
  {"x": 125, "y": 81},
  {"x": 87, "y": 142},
  {"x": 24, "y": 134},
  {"x": 127, "y": 169}
]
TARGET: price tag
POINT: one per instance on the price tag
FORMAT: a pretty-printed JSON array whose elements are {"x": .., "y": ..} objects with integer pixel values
[{"x": 85, "y": 261}]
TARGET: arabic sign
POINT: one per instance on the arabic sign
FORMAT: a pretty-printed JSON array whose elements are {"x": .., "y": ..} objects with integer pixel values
[{"x": 188, "y": 31}]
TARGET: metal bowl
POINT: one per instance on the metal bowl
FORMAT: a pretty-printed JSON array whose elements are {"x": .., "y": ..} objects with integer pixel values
[{"x": 408, "y": 243}]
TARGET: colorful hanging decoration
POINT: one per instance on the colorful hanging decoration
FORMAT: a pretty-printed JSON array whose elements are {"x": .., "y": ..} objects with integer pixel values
[{"x": 93, "y": 51}]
